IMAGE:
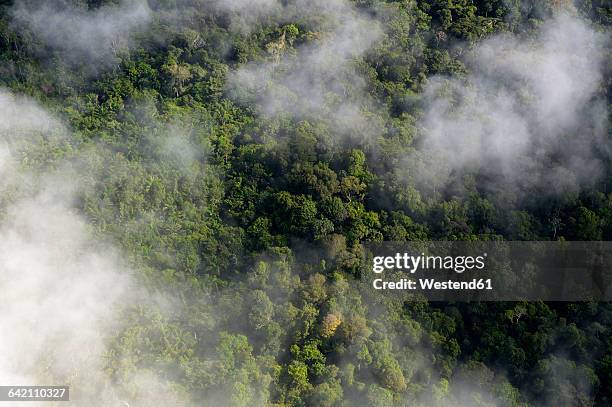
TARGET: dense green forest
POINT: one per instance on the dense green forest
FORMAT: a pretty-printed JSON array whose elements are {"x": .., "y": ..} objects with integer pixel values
[{"x": 236, "y": 155}]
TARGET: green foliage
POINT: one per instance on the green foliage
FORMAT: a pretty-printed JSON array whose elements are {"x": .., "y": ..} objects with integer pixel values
[{"x": 257, "y": 221}]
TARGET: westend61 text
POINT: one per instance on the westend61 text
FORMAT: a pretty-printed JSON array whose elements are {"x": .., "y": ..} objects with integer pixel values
[{"x": 433, "y": 284}]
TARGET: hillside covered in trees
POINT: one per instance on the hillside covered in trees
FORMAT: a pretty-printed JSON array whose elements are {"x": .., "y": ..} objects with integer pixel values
[{"x": 186, "y": 185}]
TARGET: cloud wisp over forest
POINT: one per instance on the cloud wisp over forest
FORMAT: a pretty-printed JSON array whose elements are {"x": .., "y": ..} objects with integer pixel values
[
  {"x": 318, "y": 78},
  {"x": 526, "y": 117},
  {"x": 91, "y": 38},
  {"x": 64, "y": 289}
]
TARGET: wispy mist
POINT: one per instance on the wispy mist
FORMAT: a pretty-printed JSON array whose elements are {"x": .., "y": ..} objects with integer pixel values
[
  {"x": 94, "y": 37},
  {"x": 317, "y": 78},
  {"x": 514, "y": 117},
  {"x": 63, "y": 288}
]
